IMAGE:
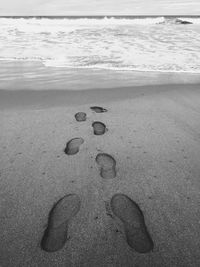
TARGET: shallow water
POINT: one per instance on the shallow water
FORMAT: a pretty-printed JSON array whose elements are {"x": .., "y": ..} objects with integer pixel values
[
  {"x": 123, "y": 43},
  {"x": 17, "y": 75}
]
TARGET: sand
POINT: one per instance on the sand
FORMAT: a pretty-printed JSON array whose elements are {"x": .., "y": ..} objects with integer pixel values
[{"x": 153, "y": 134}]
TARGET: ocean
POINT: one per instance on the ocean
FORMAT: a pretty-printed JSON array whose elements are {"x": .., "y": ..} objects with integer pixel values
[{"x": 118, "y": 43}]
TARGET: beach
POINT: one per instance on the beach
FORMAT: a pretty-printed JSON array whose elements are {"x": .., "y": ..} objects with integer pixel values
[
  {"x": 152, "y": 135},
  {"x": 99, "y": 141}
]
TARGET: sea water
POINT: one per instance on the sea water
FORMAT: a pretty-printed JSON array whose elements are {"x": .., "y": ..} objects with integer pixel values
[{"x": 161, "y": 44}]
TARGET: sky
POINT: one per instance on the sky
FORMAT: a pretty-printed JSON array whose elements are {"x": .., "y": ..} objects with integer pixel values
[{"x": 99, "y": 7}]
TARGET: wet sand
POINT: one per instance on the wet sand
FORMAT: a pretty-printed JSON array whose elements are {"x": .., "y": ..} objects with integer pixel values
[{"x": 149, "y": 152}]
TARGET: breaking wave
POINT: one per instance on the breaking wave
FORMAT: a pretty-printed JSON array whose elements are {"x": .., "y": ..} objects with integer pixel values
[{"x": 117, "y": 43}]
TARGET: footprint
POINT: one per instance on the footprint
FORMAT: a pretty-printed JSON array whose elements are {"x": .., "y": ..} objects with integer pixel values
[
  {"x": 98, "y": 109},
  {"x": 132, "y": 217},
  {"x": 73, "y": 145},
  {"x": 80, "y": 116},
  {"x": 107, "y": 164},
  {"x": 99, "y": 127},
  {"x": 55, "y": 235}
]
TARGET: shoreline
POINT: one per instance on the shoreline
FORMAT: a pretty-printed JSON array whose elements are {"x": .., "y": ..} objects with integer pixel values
[
  {"x": 35, "y": 76},
  {"x": 36, "y": 99}
]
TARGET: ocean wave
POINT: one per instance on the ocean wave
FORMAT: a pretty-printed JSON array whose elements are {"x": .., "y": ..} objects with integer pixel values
[
  {"x": 83, "y": 21},
  {"x": 189, "y": 20},
  {"x": 87, "y": 21},
  {"x": 124, "y": 44}
]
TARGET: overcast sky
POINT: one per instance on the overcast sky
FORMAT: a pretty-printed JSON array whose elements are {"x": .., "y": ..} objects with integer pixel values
[{"x": 99, "y": 7}]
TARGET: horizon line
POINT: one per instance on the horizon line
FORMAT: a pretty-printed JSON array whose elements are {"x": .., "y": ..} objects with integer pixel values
[{"x": 104, "y": 15}]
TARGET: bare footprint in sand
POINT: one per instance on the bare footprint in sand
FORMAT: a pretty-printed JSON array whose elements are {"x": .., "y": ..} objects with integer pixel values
[
  {"x": 98, "y": 109},
  {"x": 55, "y": 235},
  {"x": 107, "y": 165},
  {"x": 80, "y": 116},
  {"x": 73, "y": 146},
  {"x": 99, "y": 128},
  {"x": 132, "y": 217}
]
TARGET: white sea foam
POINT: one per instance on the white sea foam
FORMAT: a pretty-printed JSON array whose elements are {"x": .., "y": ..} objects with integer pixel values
[
  {"x": 142, "y": 44},
  {"x": 191, "y": 20},
  {"x": 81, "y": 21}
]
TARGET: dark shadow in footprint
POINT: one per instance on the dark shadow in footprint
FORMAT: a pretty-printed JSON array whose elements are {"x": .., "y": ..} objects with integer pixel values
[
  {"x": 80, "y": 116},
  {"x": 73, "y": 145},
  {"x": 99, "y": 127},
  {"x": 55, "y": 235},
  {"x": 132, "y": 217},
  {"x": 98, "y": 109},
  {"x": 107, "y": 165}
]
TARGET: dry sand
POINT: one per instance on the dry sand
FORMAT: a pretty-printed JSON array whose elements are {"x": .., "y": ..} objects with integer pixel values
[{"x": 153, "y": 135}]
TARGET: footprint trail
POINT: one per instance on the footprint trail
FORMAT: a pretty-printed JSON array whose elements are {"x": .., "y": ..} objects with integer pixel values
[
  {"x": 132, "y": 217},
  {"x": 55, "y": 235},
  {"x": 98, "y": 109},
  {"x": 99, "y": 128},
  {"x": 107, "y": 165},
  {"x": 73, "y": 146},
  {"x": 80, "y": 116}
]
